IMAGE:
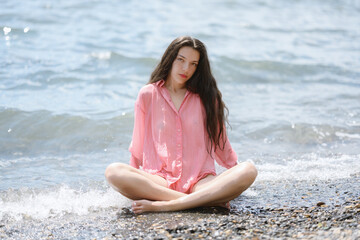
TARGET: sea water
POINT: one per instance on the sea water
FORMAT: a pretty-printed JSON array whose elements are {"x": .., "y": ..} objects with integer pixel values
[{"x": 289, "y": 72}]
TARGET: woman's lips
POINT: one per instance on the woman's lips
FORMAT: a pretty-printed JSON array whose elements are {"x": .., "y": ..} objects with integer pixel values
[{"x": 183, "y": 75}]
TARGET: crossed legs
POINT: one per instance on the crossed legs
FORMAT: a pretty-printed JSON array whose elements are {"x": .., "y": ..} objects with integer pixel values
[
  {"x": 210, "y": 191},
  {"x": 137, "y": 184}
]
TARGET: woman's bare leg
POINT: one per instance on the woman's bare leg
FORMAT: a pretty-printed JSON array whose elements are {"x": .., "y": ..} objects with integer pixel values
[
  {"x": 205, "y": 181},
  {"x": 137, "y": 184},
  {"x": 225, "y": 187}
]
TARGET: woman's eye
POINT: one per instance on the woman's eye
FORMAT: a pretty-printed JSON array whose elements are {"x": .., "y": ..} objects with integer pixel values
[{"x": 180, "y": 59}]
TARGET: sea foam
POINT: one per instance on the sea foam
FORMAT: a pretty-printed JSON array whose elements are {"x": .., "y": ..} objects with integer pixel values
[{"x": 45, "y": 203}]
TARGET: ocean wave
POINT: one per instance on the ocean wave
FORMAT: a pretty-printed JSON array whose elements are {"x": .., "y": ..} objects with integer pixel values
[
  {"x": 36, "y": 132},
  {"x": 56, "y": 202},
  {"x": 309, "y": 166},
  {"x": 303, "y": 133},
  {"x": 5, "y": 163},
  {"x": 281, "y": 71},
  {"x": 347, "y": 135},
  {"x": 112, "y": 55},
  {"x": 118, "y": 69},
  {"x": 33, "y": 132}
]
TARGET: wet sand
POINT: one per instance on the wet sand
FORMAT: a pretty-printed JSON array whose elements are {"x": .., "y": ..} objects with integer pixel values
[{"x": 287, "y": 210}]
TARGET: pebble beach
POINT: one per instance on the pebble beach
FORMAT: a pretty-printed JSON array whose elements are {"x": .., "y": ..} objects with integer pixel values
[{"x": 315, "y": 210}]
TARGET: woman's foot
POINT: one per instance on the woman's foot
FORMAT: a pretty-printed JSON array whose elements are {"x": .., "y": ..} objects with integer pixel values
[
  {"x": 141, "y": 206},
  {"x": 225, "y": 205}
]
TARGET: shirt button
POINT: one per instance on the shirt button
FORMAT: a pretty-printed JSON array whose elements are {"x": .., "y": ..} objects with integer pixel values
[
  {"x": 179, "y": 145},
  {"x": 179, "y": 130}
]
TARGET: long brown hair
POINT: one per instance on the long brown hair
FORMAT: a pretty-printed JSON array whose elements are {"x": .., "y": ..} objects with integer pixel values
[{"x": 203, "y": 83}]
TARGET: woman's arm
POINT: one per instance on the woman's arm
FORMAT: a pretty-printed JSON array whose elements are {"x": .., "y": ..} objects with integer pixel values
[
  {"x": 226, "y": 156},
  {"x": 137, "y": 143}
]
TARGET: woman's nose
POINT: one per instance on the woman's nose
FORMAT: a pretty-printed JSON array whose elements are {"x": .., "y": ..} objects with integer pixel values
[{"x": 185, "y": 66}]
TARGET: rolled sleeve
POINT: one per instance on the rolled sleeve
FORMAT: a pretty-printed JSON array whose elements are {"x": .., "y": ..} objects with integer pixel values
[{"x": 226, "y": 157}]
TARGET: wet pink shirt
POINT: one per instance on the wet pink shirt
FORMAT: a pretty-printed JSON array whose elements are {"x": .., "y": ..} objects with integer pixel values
[{"x": 171, "y": 143}]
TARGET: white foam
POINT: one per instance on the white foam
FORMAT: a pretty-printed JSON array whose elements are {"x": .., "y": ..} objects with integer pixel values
[
  {"x": 101, "y": 55},
  {"x": 347, "y": 135},
  {"x": 27, "y": 203},
  {"x": 310, "y": 167},
  {"x": 6, "y": 163}
]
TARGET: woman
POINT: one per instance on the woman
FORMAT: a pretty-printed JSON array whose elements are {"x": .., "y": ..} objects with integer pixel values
[{"x": 179, "y": 130}]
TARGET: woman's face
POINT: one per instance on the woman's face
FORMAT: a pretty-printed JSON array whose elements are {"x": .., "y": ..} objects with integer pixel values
[{"x": 184, "y": 66}]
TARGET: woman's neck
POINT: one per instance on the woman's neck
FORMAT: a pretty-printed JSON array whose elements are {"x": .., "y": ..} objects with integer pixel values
[
  {"x": 177, "y": 93},
  {"x": 175, "y": 88}
]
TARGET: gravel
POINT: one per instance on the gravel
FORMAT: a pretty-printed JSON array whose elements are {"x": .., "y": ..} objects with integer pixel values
[{"x": 271, "y": 210}]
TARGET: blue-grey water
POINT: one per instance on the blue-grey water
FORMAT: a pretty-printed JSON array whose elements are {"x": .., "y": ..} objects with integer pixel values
[{"x": 70, "y": 71}]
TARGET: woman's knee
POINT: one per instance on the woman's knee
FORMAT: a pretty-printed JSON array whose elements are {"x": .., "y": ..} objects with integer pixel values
[
  {"x": 115, "y": 171},
  {"x": 251, "y": 169},
  {"x": 248, "y": 170}
]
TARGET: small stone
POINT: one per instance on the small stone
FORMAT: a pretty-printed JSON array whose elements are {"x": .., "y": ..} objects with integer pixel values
[
  {"x": 345, "y": 217},
  {"x": 349, "y": 220},
  {"x": 216, "y": 233},
  {"x": 319, "y": 204},
  {"x": 228, "y": 232},
  {"x": 257, "y": 230}
]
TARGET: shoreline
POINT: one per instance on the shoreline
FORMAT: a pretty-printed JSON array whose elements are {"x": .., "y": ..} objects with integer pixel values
[{"x": 320, "y": 209}]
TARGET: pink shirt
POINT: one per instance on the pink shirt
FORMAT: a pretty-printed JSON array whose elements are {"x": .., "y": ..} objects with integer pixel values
[{"x": 171, "y": 143}]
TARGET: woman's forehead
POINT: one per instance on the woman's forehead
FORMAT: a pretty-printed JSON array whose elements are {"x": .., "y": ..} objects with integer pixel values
[{"x": 189, "y": 53}]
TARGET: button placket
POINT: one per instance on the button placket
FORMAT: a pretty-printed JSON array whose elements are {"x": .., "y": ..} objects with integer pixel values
[
  {"x": 178, "y": 143},
  {"x": 178, "y": 134},
  {"x": 178, "y": 131}
]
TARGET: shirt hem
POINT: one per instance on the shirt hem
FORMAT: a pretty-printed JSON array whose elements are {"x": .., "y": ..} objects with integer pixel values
[{"x": 201, "y": 176}]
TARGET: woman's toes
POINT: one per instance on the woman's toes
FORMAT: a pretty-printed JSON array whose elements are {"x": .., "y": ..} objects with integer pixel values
[{"x": 141, "y": 206}]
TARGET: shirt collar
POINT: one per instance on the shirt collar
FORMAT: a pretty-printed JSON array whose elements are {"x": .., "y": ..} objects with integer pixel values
[{"x": 160, "y": 83}]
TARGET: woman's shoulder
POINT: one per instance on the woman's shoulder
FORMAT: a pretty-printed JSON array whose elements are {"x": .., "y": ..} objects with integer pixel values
[
  {"x": 147, "y": 91},
  {"x": 147, "y": 88},
  {"x": 150, "y": 88}
]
